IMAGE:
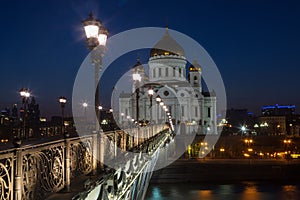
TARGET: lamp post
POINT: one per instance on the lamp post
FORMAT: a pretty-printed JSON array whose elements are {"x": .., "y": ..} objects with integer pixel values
[
  {"x": 287, "y": 143},
  {"x": 150, "y": 94},
  {"x": 161, "y": 111},
  {"x": 25, "y": 94},
  {"x": 85, "y": 105},
  {"x": 99, "y": 115},
  {"x": 158, "y": 101},
  {"x": 96, "y": 37},
  {"x": 137, "y": 78},
  {"x": 62, "y": 100}
]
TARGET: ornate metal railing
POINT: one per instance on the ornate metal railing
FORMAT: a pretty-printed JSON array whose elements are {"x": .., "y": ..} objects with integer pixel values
[
  {"x": 81, "y": 156},
  {"x": 42, "y": 170},
  {"x": 35, "y": 171},
  {"x": 6, "y": 174},
  {"x": 130, "y": 180}
]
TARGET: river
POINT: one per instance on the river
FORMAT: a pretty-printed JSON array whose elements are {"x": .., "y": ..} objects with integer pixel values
[{"x": 234, "y": 191}]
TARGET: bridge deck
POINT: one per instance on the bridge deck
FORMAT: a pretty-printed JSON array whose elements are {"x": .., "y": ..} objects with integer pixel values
[{"x": 77, "y": 186}]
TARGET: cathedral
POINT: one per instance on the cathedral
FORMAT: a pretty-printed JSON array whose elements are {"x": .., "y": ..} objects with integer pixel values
[{"x": 178, "y": 87}]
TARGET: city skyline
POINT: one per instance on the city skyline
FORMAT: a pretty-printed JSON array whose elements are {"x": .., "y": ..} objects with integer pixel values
[{"x": 253, "y": 46}]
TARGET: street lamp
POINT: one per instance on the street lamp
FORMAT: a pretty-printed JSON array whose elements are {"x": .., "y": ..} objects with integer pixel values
[
  {"x": 248, "y": 141},
  {"x": 287, "y": 143},
  {"x": 99, "y": 112},
  {"x": 137, "y": 78},
  {"x": 25, "y": 94},
  {"x": 96, "y": 37},
  {"x": 85, "y": 105},
  {"x": 96, "y": 33},
  {"x": 62, "y": 100},
  {"x": 243, "y": 129},
  {"x": 158, "y": 99},
  {"x": 150, "y": 94}
]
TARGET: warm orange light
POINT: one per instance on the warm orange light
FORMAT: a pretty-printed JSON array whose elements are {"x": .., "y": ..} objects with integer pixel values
[
  {"x": 287, "y": 141},
  {"x": 246, "y": 155}
]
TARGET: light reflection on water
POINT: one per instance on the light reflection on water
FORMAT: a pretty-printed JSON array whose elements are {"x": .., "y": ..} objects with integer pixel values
[{"x": 243, "y": 190}]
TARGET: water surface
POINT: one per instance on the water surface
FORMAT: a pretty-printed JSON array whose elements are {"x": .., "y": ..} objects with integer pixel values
[{"x": 242, "y": 190}]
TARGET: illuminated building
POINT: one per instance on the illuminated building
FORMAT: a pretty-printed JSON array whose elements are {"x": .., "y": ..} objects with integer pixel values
[{"x": 181, "y": 93}]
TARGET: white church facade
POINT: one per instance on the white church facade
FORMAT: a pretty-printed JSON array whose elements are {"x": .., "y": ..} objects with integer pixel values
[{"x": 179, "y": 88}]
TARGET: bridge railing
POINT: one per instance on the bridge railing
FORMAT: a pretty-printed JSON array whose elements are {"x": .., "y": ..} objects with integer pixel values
[
  {"x": 35, "y": 171},
  {"x": 127, "y": 181},
  {"x": 7, "y": 174}
]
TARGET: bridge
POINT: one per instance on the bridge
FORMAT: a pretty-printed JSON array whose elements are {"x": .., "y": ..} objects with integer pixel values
[{"x": 50, "y": 170}]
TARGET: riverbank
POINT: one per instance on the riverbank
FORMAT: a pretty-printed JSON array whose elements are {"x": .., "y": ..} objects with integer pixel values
[{"x": 228, "y": 170}]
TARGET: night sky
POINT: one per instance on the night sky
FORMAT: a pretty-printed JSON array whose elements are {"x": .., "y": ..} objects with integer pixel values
[{"x": 255, "y": 44}]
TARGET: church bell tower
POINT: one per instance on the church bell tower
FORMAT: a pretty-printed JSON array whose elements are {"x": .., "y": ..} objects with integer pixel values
[{"x": 195, "y": 72}]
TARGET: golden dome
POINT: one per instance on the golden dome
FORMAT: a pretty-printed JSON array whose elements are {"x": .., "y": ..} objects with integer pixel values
[{"x": 195, "y": 67}]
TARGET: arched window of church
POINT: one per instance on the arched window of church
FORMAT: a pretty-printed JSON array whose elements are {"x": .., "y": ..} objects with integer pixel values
[
  {"x": 159, "y": 72},
  {"x": 174, "y": 72},
  {"x": 154, "y": 73},
  {"x": 179, "y": 72},
  {"x": 196, "y": 111},
  {"x": 182, "y": 111},
  {"x": 208, "y": 112},
  {"x": 167, "y": 71}
]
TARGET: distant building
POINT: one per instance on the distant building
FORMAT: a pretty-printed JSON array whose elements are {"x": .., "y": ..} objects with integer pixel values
[
  {"x": 273, "y": 125},
  {"x": 293, "y": 126},
  {"x": 278, "y": 110},
  {"x": 279, "y": 120}
]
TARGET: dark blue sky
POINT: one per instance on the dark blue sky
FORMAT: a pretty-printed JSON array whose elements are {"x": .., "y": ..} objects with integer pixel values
[{"x": 255, "y": 44}]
